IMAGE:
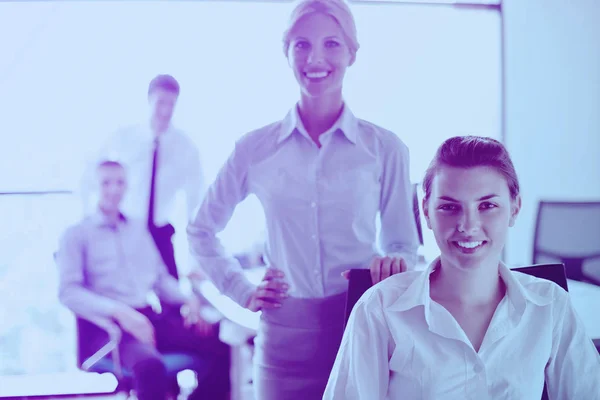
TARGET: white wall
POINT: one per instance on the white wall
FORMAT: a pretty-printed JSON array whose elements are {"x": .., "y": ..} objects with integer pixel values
[
  {"x": 552, "y": 106},
  {"x": 426, "y": 73}
]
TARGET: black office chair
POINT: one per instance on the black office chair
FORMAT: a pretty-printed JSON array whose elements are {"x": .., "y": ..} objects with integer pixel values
[
  {"x": 569, "y": 232},
  {"x": 416, "y": 211},
  {"x": 360, "y": 281},
  {"x": 104, "y": 357}
]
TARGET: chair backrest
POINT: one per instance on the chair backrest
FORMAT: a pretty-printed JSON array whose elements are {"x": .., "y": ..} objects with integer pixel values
[
  {"x": 552, "y": 272},
  {"x": 569, "y": 232},
  {"x": 359, "y": 280},
  {"x": 416, "y": 211}
]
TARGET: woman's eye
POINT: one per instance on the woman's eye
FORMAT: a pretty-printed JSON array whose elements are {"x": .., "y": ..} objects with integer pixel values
[
  {"x": 331, "y": 43},
  {"x": 448, "y": 207},
  {"x": 301, "y": 45},
  {"x": 487, "y": 206}
]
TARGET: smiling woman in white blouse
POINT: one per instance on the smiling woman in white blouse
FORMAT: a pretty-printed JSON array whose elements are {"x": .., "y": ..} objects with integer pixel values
[
  {"x": 322, "y": 175},
  {"x": 467, "y": 327}
]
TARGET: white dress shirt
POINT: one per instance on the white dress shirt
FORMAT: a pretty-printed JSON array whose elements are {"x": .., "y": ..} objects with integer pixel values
[
  {"x": 400, "y": 344},
  {"x": 178, "y": 169},
  {"x": 320, "y": 204}
]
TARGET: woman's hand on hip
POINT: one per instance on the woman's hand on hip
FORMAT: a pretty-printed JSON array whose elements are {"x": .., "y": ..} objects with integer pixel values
[{"x": 270, "y": 292}]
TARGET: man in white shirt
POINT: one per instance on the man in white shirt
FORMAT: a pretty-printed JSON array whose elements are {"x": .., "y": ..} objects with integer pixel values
[{"x": 161, "y": 161}]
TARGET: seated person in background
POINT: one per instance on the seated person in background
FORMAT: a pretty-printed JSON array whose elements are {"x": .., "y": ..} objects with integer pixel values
[
  {"x": 467, "y": 327},
  {"x": 108, "y": 264}
]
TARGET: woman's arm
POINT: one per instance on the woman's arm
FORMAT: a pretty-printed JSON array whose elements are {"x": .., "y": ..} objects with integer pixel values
[
  {"x": 220, "y": 201},
  {"x": 194, "y": 186},
  {"x": 573, "y": 371},
  {"x": 399, "y": 235}
]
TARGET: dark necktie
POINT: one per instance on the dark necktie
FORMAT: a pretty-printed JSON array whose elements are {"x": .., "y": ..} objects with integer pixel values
[{"x": 153, "y": 185}]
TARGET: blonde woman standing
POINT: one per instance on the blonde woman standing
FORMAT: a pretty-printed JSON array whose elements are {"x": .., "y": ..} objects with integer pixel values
[{"x": 322, "y": 176}]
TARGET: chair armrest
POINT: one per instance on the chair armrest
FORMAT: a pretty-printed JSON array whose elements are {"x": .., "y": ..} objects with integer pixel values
[{"x": 114, "y": 335}]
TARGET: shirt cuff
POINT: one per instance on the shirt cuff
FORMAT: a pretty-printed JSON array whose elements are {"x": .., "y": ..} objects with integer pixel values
[{"x": 241, "y": 289}]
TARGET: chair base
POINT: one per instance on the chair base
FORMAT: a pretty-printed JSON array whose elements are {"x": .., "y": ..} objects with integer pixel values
[{"x": 174, "y": 363}]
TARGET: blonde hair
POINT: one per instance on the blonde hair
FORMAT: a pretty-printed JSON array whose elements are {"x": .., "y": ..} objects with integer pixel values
[{"x": 337, "y": 9}]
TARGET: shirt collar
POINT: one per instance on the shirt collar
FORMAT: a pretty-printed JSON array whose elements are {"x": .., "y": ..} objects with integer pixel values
[
  {"x": 347, "y": 123},
  {"x": 100, "y": 220},
  {"x": 147, "y": 130},
  {"x": 418, "y": 292},
  {"x": 517, "y": 293}
]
